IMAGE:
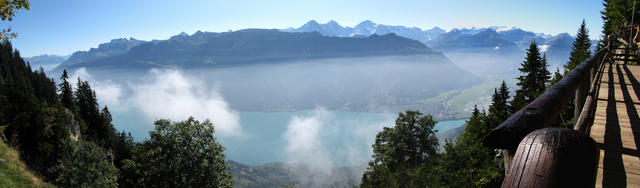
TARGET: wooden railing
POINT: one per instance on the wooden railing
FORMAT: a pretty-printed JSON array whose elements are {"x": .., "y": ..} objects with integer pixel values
[{"x": 538, "y": 156}]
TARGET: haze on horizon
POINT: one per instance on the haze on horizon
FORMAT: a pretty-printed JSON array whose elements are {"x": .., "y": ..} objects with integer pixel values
[{"x": 81, "y": 25}]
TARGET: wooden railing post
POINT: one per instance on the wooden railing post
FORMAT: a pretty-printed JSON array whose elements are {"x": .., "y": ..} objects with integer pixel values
[
  {"x": 508, "y": 158},
  {"x": 581, "y": 95},
  {"x": 554, "y": 157}
]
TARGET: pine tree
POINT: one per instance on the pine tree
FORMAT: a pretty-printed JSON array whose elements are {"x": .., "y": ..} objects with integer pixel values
[
  {"x": 35, "y": 121},
  {"x": 544, "y": 76},
  {"x": 66, "y": 93},
  {"x": 499, "y": 109},
  {"x": 88, "y": 110},
  {"x": 617, "y": 17},
  {"x": 106, "y": 132},
  {"x": 467, "y": 163},
  {"x": 530, "y": 79},
  {"x": 580, "y": 50}
]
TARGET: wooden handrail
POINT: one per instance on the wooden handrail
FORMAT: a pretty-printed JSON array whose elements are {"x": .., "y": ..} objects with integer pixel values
[
  {"x": 542, "y": 111},
  {"x": 585, "y": 120}
]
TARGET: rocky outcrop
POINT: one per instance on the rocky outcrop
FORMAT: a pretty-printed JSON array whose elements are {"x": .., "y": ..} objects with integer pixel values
[{"x": 73, "y": 126}]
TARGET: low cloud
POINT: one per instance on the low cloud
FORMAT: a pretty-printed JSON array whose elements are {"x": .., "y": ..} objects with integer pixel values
[
  {"x": 310, "y": 143},
  {"x": 166, "y": 94},
  {"x": 304, "y": 142},
  {"x": 544, "y": 48},
  {"x": 107, "y": 92},
  {"x": 171, "y": 94}
]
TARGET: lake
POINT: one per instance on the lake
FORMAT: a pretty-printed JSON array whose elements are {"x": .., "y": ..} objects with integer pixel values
[{"x": 308, "y": 136}]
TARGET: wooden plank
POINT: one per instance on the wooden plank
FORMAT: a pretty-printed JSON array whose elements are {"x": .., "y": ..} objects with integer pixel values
[{"x": 629, "y": 156}]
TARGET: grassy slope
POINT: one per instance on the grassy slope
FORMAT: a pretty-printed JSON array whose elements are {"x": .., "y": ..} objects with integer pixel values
[
  {"x": 14, "y": 172},
  {"x": 461, "y": 101}
]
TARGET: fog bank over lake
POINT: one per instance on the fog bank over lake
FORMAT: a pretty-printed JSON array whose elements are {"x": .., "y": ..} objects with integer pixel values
[
  {"x": 341, "y": 138},
  {"x": 322, "y": 112}
]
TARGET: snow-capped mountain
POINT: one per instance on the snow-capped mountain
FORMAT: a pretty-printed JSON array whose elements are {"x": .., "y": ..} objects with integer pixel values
[
  {"x": 498, "y": 40},
  {"x": 366, "y": 28}
]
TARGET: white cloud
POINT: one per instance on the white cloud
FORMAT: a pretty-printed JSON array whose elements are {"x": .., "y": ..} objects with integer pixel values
[
  {"x": 171, "y": 94},
  {"x": 167, "y": 94},
  {"x": 305, "y": 146},
  {"x": 304, "y": 142},
  {"x": 107, "y": 92},
  {"x": 544, "y": 48},
  {"x": 309, "y": 142}
]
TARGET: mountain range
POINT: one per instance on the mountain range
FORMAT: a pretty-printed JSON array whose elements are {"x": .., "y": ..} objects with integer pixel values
[
  {"x": 497, "y": 40},
  {"x": 46, "y": 62},
  {"x": 366, "y": 28},
  {"x": 250, "y": 46}
]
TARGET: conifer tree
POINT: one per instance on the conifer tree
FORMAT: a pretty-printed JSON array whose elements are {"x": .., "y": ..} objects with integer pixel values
[
  {"x": 580, "y": 50},
  {"x": 544, "y": 76},
  {"x": 96, "y": 125},
  {"x": 66, "y": 93},
  {"x": 499, "y": 109},
  {"x": 106, "y": 132},
  {"x": 530, "y": 79}
]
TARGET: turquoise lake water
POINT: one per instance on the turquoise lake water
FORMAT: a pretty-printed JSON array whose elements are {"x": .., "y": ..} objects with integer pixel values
[{"x": 345, "y": 138}]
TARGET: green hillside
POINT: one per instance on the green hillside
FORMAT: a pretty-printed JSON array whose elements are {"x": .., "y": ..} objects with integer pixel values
[{"x": 13, "y": 172}]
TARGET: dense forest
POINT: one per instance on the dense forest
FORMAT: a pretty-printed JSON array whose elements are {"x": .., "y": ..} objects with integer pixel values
[{"x": 67, "y": 138}]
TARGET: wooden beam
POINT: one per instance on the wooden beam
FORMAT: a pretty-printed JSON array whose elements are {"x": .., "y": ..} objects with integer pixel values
[
  {"x": 554, "y": 157},
  {"x": 543, "y": 110}
]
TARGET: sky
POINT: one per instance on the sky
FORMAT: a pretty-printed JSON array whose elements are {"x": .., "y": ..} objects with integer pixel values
[{"x": 62, "y": 27}]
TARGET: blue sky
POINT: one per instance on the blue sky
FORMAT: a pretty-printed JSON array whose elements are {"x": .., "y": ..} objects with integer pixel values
[{"x": 63, "y": 27}]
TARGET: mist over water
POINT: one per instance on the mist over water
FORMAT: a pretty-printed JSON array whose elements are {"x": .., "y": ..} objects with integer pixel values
[{"x": 320, "y": 114}]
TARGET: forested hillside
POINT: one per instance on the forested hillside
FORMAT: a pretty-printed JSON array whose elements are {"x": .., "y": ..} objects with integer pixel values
[{"x": 65, "y": 136}]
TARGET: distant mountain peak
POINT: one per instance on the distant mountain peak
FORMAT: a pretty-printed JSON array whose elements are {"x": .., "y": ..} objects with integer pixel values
[
  {"x": 436, "y": 28},
  {"x": 500, "y": 29},
  {"x": 564, "y": 35},
  {"x": 487, "y": 32},
  {"x": 366, "y": 23},
  {"x": 311, "y": 22}
]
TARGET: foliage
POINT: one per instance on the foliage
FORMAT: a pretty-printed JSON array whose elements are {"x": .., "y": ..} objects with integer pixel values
[
  {"x": 533, "y": 80},
  {"x": 66, "y": 93},
  {"x": 579, "y": 53},
  {"x": 499, "y": 105},
  {"x": 467, "y": 163},
  {"x": 580, "y": 49},
  {"x": 36, "y": 122},
  {"x": 98, "y": 122},
  {"x": 179, "y": 154},
  {"x": 8, "y": 9},
  {"x": 617, "y": 17},
  {"x": 464, "y": 163},
  {"x": 84, "y": 164},
  {"x": 400, "y": 152}
]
